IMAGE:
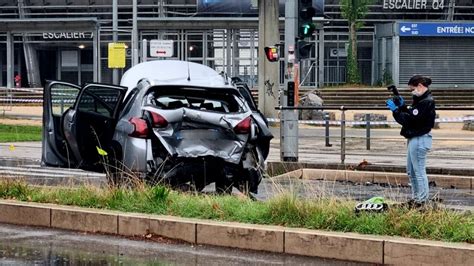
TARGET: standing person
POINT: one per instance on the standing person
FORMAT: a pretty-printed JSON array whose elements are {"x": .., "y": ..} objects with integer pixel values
[
  {"x": 17, "y": 79},
  {"x": 417, "y": 122}
]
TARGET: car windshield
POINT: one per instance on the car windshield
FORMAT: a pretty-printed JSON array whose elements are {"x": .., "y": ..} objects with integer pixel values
[{"x": 217, "y": 100}]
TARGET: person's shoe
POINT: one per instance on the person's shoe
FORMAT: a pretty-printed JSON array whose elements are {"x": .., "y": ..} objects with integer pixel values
[{"x": 413, "y": 204}]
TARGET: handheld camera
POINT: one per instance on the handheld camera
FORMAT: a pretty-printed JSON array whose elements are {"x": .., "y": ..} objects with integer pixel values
[{"x": 396, "y": 95}]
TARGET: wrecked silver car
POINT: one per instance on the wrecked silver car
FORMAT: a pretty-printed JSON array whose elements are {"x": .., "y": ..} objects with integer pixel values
[{"x": 172, "y": 121}]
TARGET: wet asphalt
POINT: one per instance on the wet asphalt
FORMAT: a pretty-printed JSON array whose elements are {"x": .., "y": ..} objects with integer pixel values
[{"x": 32, "y": 246}]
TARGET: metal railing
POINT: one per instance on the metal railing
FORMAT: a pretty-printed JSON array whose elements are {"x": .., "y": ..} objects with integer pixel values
[
  {"x": 380, "y": 140},
  {"x": 20, "y": 96},
  {"x": 6, "y": 100}
]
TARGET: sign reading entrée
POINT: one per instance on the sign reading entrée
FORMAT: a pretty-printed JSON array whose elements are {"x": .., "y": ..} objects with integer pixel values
[
  {"x": 436, "y": 29},
  {"x": 161, "y": 48}
]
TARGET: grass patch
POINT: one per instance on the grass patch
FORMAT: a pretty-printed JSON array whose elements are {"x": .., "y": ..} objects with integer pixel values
[
  {"x": 285, "y": 209},
  {"x": 14, "y": 133}
]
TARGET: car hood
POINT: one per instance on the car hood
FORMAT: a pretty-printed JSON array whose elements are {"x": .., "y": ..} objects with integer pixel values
[{"x": 195, "y": 133}]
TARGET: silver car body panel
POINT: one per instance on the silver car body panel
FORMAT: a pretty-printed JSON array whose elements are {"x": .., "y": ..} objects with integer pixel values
[
  {"x": 216, "y": 139},
  {"x": 174, "y": 72}
]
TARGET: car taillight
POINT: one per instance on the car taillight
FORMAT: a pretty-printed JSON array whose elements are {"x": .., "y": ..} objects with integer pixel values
[
  {"x": 140, "y": 127},
  {"x": 158, "y": 120},
  {"x": 243, "y": 127}
]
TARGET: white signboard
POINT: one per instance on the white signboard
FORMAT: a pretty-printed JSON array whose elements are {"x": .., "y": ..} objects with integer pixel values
[
  {"x": 161, "y": 48},
  {"x": 338, "y": 52}
]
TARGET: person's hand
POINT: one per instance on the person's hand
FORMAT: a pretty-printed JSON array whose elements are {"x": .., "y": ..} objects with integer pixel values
[
  {"x": 399, "y": 101},
  {"x": 391, "y": 105}
]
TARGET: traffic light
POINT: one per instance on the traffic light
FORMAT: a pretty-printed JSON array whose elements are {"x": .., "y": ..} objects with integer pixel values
[
  {"x": 304, "y": 49},
  {"x": 306, "y": 12},
  {"x": 271, "y": 52}
]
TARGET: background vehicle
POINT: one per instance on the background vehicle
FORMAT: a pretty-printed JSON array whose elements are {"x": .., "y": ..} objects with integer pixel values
[{"x": 177, "y": 122}]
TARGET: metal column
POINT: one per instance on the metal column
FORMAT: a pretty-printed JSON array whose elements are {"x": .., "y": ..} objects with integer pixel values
[
  {"x": 134, "y": 34},
  {"x": 228, "y": 55},
  {"x": 321, "y": 59},
  {"x": 10, "y": 56},
  {"x": 235, "y": 54},
  {"x": 115, "y": 73},
  {"x": 289, "y": 118},
  {"x": 396, "y": 60},
  {"x": 99, "y": 56},
  {"x": 96, "y": 57}
]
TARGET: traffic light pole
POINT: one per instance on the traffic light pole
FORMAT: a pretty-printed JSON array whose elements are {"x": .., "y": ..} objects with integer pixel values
[{"x": 289, "y": 118}]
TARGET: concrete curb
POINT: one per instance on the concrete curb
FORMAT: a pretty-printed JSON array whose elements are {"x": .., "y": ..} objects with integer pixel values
[
  {"x": 444, "y": 181},
  {"x": 278, "y": 168},
  {"x": 333, "y": 245}
]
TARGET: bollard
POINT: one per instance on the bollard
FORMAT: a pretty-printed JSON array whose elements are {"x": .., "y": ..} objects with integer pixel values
[
  {"x": 343, "y": 135},
  {"x": 326, "y": 119},
  {"x": 367, "y": 130}
]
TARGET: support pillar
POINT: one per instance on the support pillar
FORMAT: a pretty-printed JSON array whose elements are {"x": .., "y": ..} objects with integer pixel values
[
  {"x": 268, "y": 74},
  {"x": 96, "y": 57},
  {"x": 10, "y": 56},
  {"x": 321, "y": 59},
  {"x": 115, "y": 71},
  {"x": 134, "y": 34},
  {"x": 289, "y": 118}
]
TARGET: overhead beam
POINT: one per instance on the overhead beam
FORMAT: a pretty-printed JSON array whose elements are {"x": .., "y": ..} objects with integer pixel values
[{"x": 48, "y": 25}]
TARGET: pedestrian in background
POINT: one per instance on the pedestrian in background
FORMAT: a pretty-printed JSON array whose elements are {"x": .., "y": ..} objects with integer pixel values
[
  {"x": 417, "y": 121},
  {"x": 17, "y": 79}
]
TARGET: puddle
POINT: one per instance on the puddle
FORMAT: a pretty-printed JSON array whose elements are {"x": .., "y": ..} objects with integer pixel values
[{"x": 33, "y": 246}]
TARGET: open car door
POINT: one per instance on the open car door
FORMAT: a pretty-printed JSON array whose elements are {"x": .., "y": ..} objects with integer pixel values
[
  {"x": 83, "y": 132},
  {"x": 58, "y": 97},
  {"x": 90, "y": 124}
]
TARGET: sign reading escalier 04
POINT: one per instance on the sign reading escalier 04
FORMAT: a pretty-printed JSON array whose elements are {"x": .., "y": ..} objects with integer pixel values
[{"x": 413, "y": 4}]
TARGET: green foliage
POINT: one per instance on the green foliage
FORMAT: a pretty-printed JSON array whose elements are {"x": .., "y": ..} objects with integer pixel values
[
  {"x": 386, "y": 78},
  {"x": 284, "y": 209},
  {"x": 19, "y": 133},
  {"x": 353, "y": 75},
  {"x": 159, "y": 193},
  {"x": 354, "y": 11},
  {"x": 14, "y": 190}
]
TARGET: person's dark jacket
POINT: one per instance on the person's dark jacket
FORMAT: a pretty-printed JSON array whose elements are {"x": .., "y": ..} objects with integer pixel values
[{"x": 418, "y": 119}]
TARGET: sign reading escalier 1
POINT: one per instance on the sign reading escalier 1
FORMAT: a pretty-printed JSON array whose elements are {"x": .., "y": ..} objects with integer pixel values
[
  {"x": 436, "y": 29},
  {"x": 413, "y": 4}
]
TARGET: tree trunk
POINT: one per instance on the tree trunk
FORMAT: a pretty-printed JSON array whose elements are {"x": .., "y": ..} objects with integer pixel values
[{"x": 353, "y": 39}]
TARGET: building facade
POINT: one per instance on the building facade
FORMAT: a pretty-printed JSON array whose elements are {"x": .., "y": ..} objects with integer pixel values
[{"x": 68, "y": 40}]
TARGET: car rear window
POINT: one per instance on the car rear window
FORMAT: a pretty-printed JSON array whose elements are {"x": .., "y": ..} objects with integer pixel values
[{"x": 224, "y": 101}]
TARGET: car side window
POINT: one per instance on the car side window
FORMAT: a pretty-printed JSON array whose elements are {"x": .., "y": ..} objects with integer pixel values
[
  {"x": 62, "y": 98},
  {"x": 99, "y": 100},
  {"x": 129, "y": 100},
  {"x": 248, "y": 97}
]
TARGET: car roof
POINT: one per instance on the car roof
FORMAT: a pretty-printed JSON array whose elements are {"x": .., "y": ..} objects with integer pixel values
[{"x": 175, "y": 73}]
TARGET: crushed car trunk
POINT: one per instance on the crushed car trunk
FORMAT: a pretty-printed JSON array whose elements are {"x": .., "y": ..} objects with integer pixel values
[{"x": 194, "y": 133}]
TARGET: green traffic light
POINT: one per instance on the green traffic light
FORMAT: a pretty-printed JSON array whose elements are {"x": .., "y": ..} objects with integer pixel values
[{"x": 308, "y": 29}]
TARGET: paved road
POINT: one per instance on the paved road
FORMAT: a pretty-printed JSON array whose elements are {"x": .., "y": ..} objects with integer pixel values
[
  {"x": 387, "y": 149},
  {"x": 33, "y": 246},
  {"x": 451, "y": 148}
]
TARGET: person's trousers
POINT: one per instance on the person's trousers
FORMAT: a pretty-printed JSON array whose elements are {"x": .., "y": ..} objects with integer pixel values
[{"x": 417, "y": 149}]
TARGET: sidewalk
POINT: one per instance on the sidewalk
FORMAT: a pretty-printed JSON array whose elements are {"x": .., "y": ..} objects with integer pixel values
[{"x": 453, "y": 148}]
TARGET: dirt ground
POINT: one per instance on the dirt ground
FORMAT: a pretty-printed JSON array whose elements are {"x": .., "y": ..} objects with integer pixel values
[{"x": 18, "y": 115}]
